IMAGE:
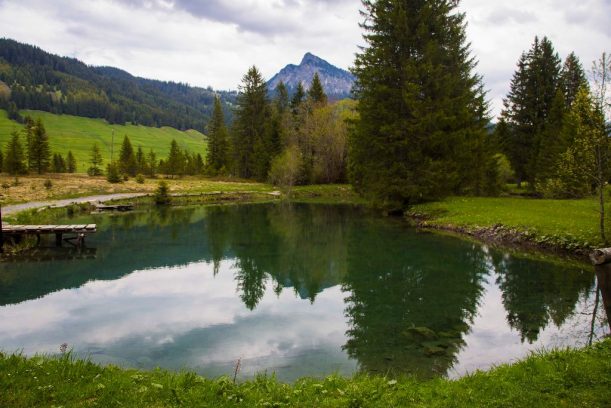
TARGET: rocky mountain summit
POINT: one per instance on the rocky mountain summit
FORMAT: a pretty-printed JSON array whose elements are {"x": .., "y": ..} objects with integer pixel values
[{"x": 337, "y": 82}]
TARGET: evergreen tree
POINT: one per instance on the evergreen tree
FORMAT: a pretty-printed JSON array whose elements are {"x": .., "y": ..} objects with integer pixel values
[
  {"x": 297, "y": 98},
  {"x": 96, "y": 161},
  {"x": 250, "y": 139},
  {"x": 70, "y": 162},
  {"x": 140, "y": 161},
  {"x": 14, "y": 158},
  {"x": 552, "y": 139},
  {"x": 152, "y": 165},
  {"x": 39, "y": 152},
  {"x": 316, "y": 93},
  {"x": 527, "y": 107},
  {"x": 59, "y": 164},
  {"x": 216, "y": 158},
  {"x": 572, "y": 78},
  {"x": 420, "y": 104},
  {"x": 174, "y": 165},
  {"x": 282, "y": 97},
  {"x": 127, "y": 158}
]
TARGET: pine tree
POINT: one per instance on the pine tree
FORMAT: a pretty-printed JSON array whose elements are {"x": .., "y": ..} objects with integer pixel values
[
  {"x": 140, "y": 161},
  {"x": 217, "y": 156},
  {"x": 96, "y": 161},
  {"x": 282, "y": 97},
  {"x": 152, "y": 165},
  {"x": 527, "y": 107},
  {"x": 39, "y": 152},
  {"x": 174, "y": 165},
  {"x": 127, "y": 158},
  {"x": 70, "y": 162},
  {"x": 58, "y": 164},
  {"x": 572, "y": 78},
  {"x": 297, "y": 98},
  {"x": 316, "y": 93},
  {"x": 552, "y": 140},
  {"x": 14, "y": 158},
  {"x": 250, "y": 145},
  {"x": 420, "y": 104}
]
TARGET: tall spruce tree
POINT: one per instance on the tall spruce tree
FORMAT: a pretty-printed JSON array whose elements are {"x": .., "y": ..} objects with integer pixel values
[
  {"x": 250, "y": 139},
  {"x": 572, "y": 79},
  {"x": 282, "y": 97},
  {"x": 217, "y": 156},
  {"x": 70, "y": 162},
  {"x": 297, "y": 98},
  {"x": 14, "y": 160},
  {"x": 127, "y": 159},
  {"x": 39, "y": 152},
  {"x": 59, "y": 164},
  {"x": 527, "y": 107},
  {"x": 316, "y": 93},
  {"x": 96, "y": 161},
  {"x": 140, "y": 161},
  {"x": 421, "y": 107},
  {"x": 175, "y": 164}
]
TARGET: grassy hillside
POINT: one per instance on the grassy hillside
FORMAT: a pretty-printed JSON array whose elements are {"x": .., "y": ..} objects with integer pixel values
[{"x": 79, "y": 134}]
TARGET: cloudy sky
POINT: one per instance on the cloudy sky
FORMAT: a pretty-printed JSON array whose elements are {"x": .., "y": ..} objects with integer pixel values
[{"x": 213, "y": 42}]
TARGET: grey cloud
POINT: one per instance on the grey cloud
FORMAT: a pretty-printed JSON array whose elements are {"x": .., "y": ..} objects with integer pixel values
[{"x": 503, "y": 15}]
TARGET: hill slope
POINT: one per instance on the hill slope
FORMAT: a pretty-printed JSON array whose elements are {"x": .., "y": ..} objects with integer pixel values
[
  {"x": 336, "y": 81},
  {"x": 79, "y": 134},
  {"x": 34, "y": 79}
]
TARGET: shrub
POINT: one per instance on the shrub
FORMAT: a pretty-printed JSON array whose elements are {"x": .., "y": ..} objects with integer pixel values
[
  {"x": 112, "y": 173},
  {"x": 162, "y": 194},
  {"x": 48, "y": 184},
  {"x": 140, "y": 179}
]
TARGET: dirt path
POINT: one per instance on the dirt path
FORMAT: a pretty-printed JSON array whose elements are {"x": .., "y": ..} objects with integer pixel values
[{"x": 11, "y": 209}]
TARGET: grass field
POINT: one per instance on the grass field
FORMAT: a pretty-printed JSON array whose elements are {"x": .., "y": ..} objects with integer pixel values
[
  {"x": 79, "y": 134},
  {"x": 555, "y": 221},
  {"x": 32, "y": 188},
  {"x": 566, "y": 378}
]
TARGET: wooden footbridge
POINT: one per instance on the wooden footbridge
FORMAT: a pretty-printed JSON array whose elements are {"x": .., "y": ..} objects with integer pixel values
[{"x": 76, "y": 233}]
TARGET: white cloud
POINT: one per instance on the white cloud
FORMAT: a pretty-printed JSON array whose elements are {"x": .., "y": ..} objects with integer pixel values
[{"x": 214, "y": 42}]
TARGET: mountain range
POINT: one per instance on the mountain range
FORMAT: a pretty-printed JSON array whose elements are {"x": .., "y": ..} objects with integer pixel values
[
  {"x": 336, "y": 82},
  {"x": 31, "y": 78}
]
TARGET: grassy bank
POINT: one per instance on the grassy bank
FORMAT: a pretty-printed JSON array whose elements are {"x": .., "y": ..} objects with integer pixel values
[
  {"x": 568, "y": 378},
  {"x": 571, "y": 225},
  {"x": 78, "y": 134}
]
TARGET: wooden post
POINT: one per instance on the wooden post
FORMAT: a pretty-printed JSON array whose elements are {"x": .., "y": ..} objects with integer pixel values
[{"x": 1, "y": 234}]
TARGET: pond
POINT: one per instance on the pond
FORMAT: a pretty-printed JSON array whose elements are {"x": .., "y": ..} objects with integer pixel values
[{"x": 292, "y": 289}]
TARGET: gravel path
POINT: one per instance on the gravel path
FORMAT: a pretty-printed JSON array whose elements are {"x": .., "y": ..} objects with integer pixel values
[{"x": 11, "y": 209}]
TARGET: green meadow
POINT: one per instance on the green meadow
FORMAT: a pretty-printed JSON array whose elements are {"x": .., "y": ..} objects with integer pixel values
[{"x": 79, "y": 134}]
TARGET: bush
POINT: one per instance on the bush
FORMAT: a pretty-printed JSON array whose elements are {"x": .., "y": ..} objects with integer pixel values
[
  {"x": 48, "y": 184},
  {"x": 112, "y": 173},
  {"x": 94, "y": 171},
  {"x": 140, "y": 179},
  {"x": 162, "y": 194}
]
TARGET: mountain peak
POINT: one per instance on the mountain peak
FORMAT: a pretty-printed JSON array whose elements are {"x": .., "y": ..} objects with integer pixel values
[
  {"x": 336, "y": 82},
  {"x": 311, "y": 59}
]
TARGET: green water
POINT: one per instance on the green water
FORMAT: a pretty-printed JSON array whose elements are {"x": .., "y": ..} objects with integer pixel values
[{"x": 298, "y": 290}]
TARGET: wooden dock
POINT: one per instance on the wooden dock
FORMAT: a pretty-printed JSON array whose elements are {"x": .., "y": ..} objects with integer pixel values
[
  {"x": 115, "y": 207},
  {"x": 77, "y": 232}
]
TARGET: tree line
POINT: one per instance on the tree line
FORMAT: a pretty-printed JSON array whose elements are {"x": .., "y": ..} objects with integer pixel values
[
  {"x": 285, "y": 139},
  {"x": 33, "y": 156},
  {"x": 31, "y": 78},
  {"x": 137, "y": 163}
]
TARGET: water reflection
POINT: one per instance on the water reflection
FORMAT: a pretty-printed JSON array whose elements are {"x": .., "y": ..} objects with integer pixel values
[{"x": 295, "y": 289}]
